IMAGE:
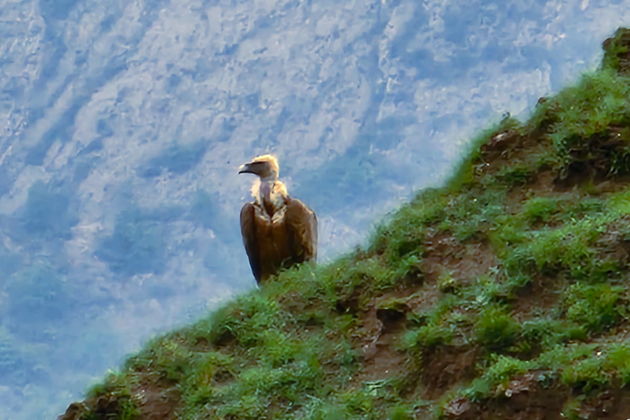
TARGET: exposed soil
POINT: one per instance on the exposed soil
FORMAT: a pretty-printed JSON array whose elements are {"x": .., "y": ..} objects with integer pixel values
[
  {"x": 507, "y": 147},
  {"x": 445, "y": 366},
  {"x": 540, "y": 185},
  {"x": 537, "y": 297},
  {"x": 615, "y": 243},
  {"x": 425, "y": 298},
  {"x": 156, "y": 399},
  {"x": 524, "y": 398},
  {"x": 609, "y": 404},
  {"x": 381, "y": 329},
  {"x": 104, "y": 407},
  {"x": 444, "y": 254},
  {"x": 381, "y": 360}
]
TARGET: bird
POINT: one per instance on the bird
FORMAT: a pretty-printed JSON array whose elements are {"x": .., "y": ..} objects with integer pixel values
[{"x": 278, "y": 231}]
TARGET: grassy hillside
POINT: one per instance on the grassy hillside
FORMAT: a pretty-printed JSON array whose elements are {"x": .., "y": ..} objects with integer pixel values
[{"x": 502, "y": 295}]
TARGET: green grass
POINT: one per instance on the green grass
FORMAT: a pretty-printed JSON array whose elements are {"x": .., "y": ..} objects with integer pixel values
[
  {"x": 589, "y": 124},
  {"x": 402, "y": 234},
  {"x": 464, "y": 174},
  {"x": 540, "y": 209},
  {"x": 428, "y": 337}
]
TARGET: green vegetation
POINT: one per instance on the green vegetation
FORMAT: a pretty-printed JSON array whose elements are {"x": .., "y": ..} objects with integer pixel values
[{"x": 511, "y": 279}]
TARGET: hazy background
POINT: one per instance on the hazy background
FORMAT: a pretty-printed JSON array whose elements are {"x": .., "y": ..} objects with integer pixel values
[{"x": 122, "y": 124}]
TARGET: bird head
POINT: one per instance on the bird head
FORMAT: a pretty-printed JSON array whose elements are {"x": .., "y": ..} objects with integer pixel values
[{"x": 265, "y": 166}]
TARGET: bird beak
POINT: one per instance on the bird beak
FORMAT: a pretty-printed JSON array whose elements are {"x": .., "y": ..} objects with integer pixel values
[{"x": 246, "y": 168}]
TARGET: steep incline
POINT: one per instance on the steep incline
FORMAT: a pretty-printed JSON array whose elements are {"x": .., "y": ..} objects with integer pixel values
[{"x": 502, "y": 295}]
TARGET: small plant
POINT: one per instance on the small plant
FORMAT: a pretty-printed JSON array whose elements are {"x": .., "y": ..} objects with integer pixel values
[
  {"x": 400, "y": 412},
  {"x": 618, "y": 361},
  {"x": 586, "y": 374},
  {"x": 593, "y": 305},
  {"x": 447, "y": 283},
  {"x": 540, "y": 209},
  {"x": 495, "y": 328},
  {"x": 498, "y": 373},
  {"x": 544, "y": 333},
  {"x": 515, "y": 175},
  {"x": 427, "y": 337}
]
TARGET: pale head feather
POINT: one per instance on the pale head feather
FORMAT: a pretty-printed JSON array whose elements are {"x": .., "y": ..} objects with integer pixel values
[{"x": 271, "y": 159}]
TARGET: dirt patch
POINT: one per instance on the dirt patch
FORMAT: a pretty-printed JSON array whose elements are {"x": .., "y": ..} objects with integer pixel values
[
  {"x": 537, "y": 297},
  {"x": 591, "y": 159},
  {"x": 445, "y": 366},
  {"x": 381, "y": 332},
  {"x": 542, "y": 184},
  {"x": 610, "y": 404},
  {"x": 149, "y": 398},
  {"x": 104, "y": 407},
  {"x": 226, "y": 338},
  {"x": 156, "y": 399},
  {"x": 615, "y": 243},
  {"x": 501, "y": 147},
  {"x": 381, "y": 359},
  {"x": 524, "y": 398},
  {"x": 349, "y": 304},
  {"x": 444, "y": 254},
  {"x": 424, "y": 299},
  {"x": 74, "y": 411},
  {"x": 510, "y": 148}
]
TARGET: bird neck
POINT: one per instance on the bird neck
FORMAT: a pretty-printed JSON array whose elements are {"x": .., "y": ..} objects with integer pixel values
[{"x": 270, "y": 194}]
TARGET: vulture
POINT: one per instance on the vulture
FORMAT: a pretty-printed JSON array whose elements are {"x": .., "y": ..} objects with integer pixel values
[{"x": 278, "y": 231}]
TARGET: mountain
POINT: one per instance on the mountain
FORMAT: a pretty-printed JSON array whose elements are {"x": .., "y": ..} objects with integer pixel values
[{"x": 502, "y": 294}]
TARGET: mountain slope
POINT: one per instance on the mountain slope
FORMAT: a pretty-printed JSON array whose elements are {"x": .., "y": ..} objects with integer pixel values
[{"x": 501, "y": 295}]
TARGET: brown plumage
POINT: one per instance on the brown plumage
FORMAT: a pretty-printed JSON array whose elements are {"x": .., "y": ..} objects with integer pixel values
[{"x": 278, "y": 231}]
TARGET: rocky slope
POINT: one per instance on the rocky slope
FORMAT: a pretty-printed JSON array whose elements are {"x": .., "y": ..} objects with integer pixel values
[{"x": 502, "y": 295}]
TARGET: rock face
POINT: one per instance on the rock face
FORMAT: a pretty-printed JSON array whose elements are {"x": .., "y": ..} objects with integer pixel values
[{"x": 617, "y": 51}]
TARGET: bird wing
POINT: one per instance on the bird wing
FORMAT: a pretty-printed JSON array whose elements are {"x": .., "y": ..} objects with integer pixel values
[
  {"x": 248, "y": 232},
  {"x": 301, "y": 225}
]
